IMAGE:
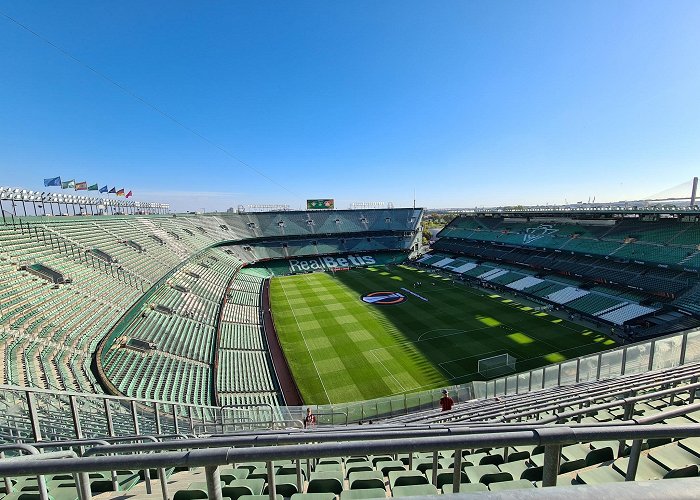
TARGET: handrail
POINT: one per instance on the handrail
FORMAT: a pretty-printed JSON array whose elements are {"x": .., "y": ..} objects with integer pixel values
[
  {"x": 357, "y": 433},
  {"x": 552, "y": 438},
  {"x": 81, "y": 480},
  {"x": 570, "y": 395}
]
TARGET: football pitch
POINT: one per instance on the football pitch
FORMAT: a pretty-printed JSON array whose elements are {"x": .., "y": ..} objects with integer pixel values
[{"x": 341, "y": 348}]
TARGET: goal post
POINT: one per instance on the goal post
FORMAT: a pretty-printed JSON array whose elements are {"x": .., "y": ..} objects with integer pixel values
[{"x": 496, "y": 366}]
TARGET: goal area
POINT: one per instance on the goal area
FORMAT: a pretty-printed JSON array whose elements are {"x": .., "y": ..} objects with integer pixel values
[{"x": 496, "y": 366}]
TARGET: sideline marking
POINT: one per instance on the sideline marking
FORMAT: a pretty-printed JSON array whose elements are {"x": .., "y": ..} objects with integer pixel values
[{"x": 306, "y": 343}]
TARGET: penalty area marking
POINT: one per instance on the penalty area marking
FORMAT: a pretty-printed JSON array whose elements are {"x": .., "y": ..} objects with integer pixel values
[
  {"x": 454, "y": 330},
  {"x": 403, "y": 389}
]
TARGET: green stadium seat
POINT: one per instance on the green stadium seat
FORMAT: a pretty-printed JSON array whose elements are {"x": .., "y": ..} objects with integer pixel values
[
  {"x": 406, "y": 478},
  {"x": 647, "y": 469},
  {"x": 325, "y": 482},
  {"x": 381, "y": 458},
  {"x": 495, "y": 477},
  {"x": 518, "y": 484},
  {"x": 515, "y": 469},
  {"x": 286, "y": 485},
  {"x": 465, "y": 488},
  {"x": 194, "y": 492},
  {"x": 363, "y": 494},
  {"x": 476, "y": 472},
  {"x": 261, "y": 473},
  {"x": 445, "y": 476},
  {"x": 358, "y": 467},
  {"x": 390, "y": 465},
  {"x": 413, "y": 490},
  {"x": 314, "y": 496},
  {"x": 673, "y": 457},
  {"x": 328, "y": 467},
  {"x": 260, "y": 497},
  {"x": 365, "y": 479},
  {"x": 600, "y": 475},
  {"x": 239, "y": 487}
]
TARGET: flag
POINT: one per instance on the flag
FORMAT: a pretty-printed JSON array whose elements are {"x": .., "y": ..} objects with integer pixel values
[
  {"x": 53, "y": 181},
  {"x": 120, "y": 192},
  {"x": 103, "y": 189},
  {"x": 68, "y": 184},
  {"x": 93, "y": 187},
  {"x": 129, "y": 195},
  {"x": 81, "y": 186},
  {"x": 113, "y": 191}
]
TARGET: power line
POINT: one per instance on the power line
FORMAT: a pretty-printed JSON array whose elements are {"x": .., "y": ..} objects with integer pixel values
[{"x": 143, "y": 101}]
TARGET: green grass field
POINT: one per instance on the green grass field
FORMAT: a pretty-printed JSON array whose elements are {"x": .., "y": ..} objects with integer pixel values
[{"x": 342, "y": 349}]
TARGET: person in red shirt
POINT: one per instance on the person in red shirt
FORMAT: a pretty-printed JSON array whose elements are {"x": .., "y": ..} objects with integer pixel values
[
  {"x": 310, "y": 419},
  {"x": 446, "y": 401}
]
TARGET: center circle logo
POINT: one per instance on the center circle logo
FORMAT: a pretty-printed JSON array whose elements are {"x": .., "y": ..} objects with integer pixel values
[{"x": 384, "y": 298}]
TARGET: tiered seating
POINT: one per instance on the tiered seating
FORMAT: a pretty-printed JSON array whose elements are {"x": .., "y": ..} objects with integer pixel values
[
  {"x": 625, "y": 313},
  {"x": 244, "y": 376},
  {"x": 51, "y": 332},
  {"x": 179, "y": 323},
  {"x": 567, "y": 295},
  {"x": 594, "y": 303}
]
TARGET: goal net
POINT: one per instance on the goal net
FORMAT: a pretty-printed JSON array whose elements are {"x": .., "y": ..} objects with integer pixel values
[{"x": 496, "y": 366}]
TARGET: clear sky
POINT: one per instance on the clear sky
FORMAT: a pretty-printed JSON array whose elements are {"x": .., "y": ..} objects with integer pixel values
[{"x": 467, "y": 102}]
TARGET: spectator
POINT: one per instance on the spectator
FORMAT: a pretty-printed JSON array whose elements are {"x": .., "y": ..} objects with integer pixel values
[
  {"x": 309, "y": 419},
  {"x": 446, "y": 401}
]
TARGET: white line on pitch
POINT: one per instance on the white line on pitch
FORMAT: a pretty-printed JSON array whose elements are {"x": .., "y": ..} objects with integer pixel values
[
  {"x": 306, "y": 344},
  {"x": 403, "y": 389}
]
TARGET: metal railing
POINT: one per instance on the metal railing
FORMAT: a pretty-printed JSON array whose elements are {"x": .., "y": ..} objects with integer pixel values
[
  {"x": 301, "y": 446},
  {"x": 32, "y": 414}
]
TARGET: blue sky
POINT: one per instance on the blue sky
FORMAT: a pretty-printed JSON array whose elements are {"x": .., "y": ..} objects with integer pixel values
[{"x": 469, "y": 103}]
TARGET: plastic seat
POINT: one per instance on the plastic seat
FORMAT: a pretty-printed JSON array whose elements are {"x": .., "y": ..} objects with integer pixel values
[
  {"x": 358, "y": 467},
  {"x": 388, "y": 466},
  {"x": 413, "y": 490},
  {"x": 466, "y": 488},
  {"x": 260, "y": 473},
  {"x": 381, "y": 458},
  {"x": 365, "y": 480},
  {"x": 496, "y": 477},
  {"x": 475, "y": 472},
  {"x": 600, "y": 455},
  {"x": 329, "y": 467},
  {"x": 647, "y": 469},
  {"x": 691, "y": 444},
  {"x": 325, "y": 482},
  {"x": 363, "y": 494},
  {"x": 518, "y": 484},
  {"x": 228, "y": 475},
  {"x": 260, "y": 497},
  {"x": 446, "y": 476},
  {"x": 515, "y": 469},
  {"x": 286, "y": 485},
  {"x": 600, "y": 475},
  {"x": 239, "y": 487},
  {"x": 406, "y": 478},
  {"x": 673, "y": 457},
  {"x": 192, "y": 493},
  {"x": 313, "y": 496}
]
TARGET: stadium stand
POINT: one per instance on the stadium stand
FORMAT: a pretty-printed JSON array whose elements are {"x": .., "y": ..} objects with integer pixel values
[
  {"x": 627, "y": 270},
  {"x": 156, "y": 284}
]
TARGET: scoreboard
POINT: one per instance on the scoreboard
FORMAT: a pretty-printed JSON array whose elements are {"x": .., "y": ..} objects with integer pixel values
[{"x": 324, "y": 204}]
